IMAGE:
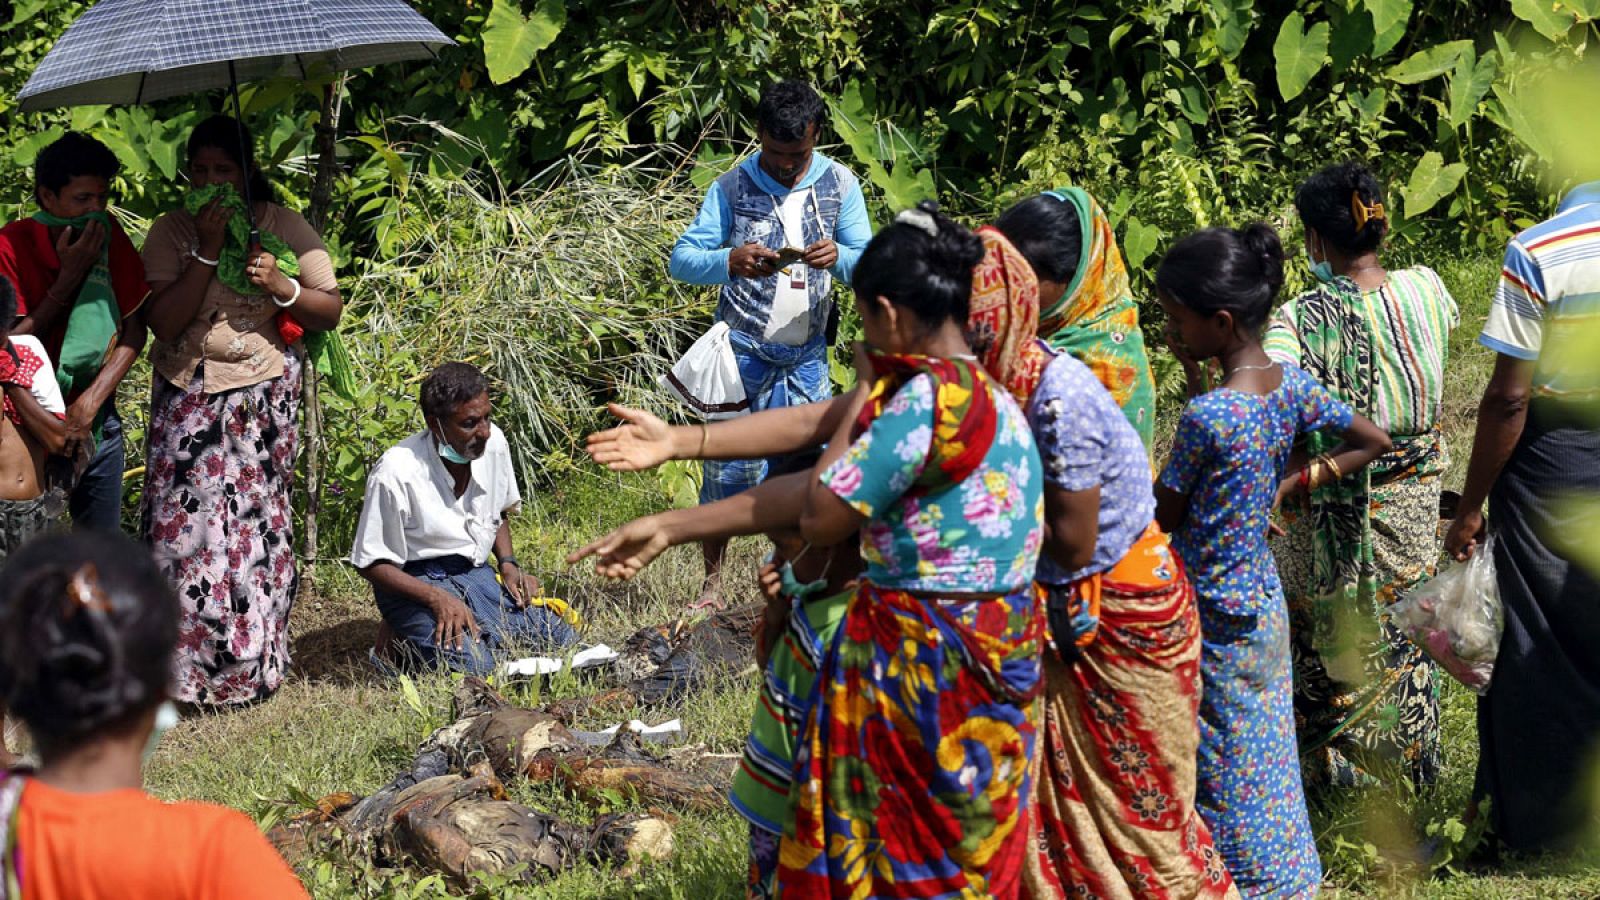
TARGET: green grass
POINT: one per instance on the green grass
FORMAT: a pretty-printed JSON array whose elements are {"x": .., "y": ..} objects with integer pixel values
[{"x": 337, "y": 727}]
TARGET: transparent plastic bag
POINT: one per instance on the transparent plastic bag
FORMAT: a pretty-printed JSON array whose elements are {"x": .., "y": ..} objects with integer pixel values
[{"x": 1457, "y": 618}]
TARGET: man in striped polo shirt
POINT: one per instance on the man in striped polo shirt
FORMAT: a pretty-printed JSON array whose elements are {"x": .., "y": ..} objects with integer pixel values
[{"x": 1536, "y": 453}]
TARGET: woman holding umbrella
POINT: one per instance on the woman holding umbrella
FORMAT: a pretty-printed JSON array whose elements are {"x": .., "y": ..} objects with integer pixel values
[{"x": 227, "y": 316}]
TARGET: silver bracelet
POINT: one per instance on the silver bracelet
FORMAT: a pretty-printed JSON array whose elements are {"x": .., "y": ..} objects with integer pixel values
[
  {"x": 195, "y": 252},
  {"x": 293, "y": 298}
]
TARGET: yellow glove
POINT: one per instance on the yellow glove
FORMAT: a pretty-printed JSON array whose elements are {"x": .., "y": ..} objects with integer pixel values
[{"x": 560, "y": 607}]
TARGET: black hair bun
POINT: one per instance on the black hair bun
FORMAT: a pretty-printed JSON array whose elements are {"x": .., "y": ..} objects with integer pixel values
[
  {"x": 1264, "y": 242},
  {"x": 956, "y": 250}
]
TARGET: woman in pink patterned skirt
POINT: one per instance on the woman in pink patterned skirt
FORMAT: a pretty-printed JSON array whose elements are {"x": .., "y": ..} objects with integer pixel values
[{"x": 223, "y": 416}]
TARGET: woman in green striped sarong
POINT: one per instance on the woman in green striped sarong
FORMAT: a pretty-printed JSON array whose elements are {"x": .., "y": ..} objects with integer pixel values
[{"x": 1366, "y": 701}]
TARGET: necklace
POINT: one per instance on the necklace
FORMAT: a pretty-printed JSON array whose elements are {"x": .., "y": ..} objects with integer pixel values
[{"x": 1228, "y": 372}]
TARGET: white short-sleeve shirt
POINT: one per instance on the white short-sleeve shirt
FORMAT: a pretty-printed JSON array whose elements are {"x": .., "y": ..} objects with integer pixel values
[
  {"x": 42, "y": 384},
  {"x": 412, "y": 513}
]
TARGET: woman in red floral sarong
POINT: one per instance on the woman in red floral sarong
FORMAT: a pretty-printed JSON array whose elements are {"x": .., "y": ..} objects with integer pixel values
[
  {"x": 1114, "y": 812},
  {"x": 912, "y": 769}
]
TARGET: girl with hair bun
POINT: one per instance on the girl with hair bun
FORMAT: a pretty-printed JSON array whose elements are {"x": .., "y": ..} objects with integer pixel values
[
  {"x": 1228, "y": 469},
  {"x": 88, "y": 627},
  {"x": 1366, "y": 697}
]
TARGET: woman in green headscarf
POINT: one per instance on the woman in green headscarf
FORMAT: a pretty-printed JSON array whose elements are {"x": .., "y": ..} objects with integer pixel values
[
  {"x": 224, "y": 414},
  {"x": 1086, "y": 306},
  {"x": 1085, "y": 303}
]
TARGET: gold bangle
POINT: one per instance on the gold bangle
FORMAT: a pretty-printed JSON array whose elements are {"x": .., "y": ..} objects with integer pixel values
[
  {"x": 1333, "y": 466},
  {"x": 1317, "y": 473},
  {"x": 705, "y": 433}
]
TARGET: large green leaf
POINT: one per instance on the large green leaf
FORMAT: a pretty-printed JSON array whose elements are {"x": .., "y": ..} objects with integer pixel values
[
  {"x": 1469, "y": 84},
  {"x": 1351, "y": 39},
  {"x": 1232, "y": 20},
  {"x": 1551, "y": 18},
  {"x": 1139, "y": 241},
  {"x": 1300, "y": 53},
  {"x": 1430, "y": 63},
  {"x": 1389, "y": 20},
  {"x": 511, "y": 40},
  {"x": 1431, "y": 181}
]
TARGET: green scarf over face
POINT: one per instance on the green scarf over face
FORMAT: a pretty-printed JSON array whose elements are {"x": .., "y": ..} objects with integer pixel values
[
  {"x": 324, "y": 348},
  {"x": 92, "y": 323}
]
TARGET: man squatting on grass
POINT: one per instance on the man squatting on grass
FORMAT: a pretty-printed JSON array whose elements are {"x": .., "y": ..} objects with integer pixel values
[
  {"x": 787, "y": 195},
  {"x": 436, "y": 504},
  {"x": 33, "y": 427}
]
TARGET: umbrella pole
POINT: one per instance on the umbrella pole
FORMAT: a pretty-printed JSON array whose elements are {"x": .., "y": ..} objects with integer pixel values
[{"x": 246, "y": 154}]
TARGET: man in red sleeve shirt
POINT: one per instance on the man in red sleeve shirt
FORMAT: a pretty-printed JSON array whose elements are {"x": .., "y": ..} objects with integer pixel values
[{"x": 80, "y": 286}]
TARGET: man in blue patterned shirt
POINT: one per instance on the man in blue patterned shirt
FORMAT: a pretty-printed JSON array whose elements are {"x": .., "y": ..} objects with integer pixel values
[{"x": 787, "y": 196}]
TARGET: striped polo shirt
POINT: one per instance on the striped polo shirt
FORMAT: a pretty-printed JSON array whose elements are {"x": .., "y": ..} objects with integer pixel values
[
  {"x": 1411, "y": 316},
  {"x": 1547, "y": 307}
]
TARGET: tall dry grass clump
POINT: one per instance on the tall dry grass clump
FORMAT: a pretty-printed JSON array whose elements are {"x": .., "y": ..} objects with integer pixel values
[{"x": 558, "y": 290}]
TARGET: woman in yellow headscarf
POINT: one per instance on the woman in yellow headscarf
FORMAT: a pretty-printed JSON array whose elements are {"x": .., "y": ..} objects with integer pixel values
[{"x": 1086, "y": 307}]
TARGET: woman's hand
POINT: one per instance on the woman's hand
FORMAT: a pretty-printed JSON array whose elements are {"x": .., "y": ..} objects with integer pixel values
[
  {"x": 774, "y": 622},
  {"x": 642, "y": 441},
  {"x": 861, "y": 358},
  {"x": 211, "y": 229},
  {"x": 625, "y": 552},
  {"x": 264, "y": 273},
  {"x": 1289, "y": 491},
  {"x": 769, "y": 581}
]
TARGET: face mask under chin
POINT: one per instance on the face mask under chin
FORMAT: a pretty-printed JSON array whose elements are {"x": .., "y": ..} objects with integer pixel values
[
  {"x": 449, "y": 453},
  {"x": 1321, "y": 271}
]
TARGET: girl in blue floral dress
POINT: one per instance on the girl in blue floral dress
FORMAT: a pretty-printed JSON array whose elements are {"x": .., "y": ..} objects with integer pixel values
[{"x": 1233, "y": 448}]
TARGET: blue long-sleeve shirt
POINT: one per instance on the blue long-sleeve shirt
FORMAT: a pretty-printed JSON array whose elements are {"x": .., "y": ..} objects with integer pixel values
[{"x": 701, "y": 255}]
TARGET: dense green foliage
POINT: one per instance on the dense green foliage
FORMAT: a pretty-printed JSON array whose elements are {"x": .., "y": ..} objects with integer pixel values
[
  {"x": 1202, "y": 97},
  {"x": 1177, "y": 113}
]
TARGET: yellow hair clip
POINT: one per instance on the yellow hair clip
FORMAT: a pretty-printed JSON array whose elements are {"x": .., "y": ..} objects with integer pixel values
[{"x": 1364, "y": 213}]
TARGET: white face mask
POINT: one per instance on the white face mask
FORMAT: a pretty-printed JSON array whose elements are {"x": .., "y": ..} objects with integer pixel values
[{"x": 166, "y": 719}]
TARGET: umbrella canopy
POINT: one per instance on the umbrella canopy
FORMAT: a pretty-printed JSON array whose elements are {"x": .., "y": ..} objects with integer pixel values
[{"x": 141, "y": 51}]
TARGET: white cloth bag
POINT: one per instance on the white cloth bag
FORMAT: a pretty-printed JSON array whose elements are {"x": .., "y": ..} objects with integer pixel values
[{"x": 707, "y": 378}]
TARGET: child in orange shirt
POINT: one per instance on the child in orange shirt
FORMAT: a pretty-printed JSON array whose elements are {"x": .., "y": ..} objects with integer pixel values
[{"x": 88, "y": 627}]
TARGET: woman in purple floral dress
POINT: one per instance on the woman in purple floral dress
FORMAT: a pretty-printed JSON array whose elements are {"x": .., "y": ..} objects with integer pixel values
[{"x": 224, "y": 413}]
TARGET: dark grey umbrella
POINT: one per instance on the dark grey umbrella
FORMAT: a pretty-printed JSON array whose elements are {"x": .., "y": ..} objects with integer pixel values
[{"x": 141, "y": 51}]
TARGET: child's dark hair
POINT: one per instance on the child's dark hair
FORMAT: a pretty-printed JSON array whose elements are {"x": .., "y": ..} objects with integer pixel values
[
  {"x": 222, "y": 132},
  {"x": 449, "y": 386},
  {"x": 1236, "y": 270},
  {"x": 1327, "y": 202},
  {"x": 88, "y": 625},
  {"x": 788, "y": 109},
  {"x": 1048, "y": 234},
  {"x": 922, "y": 262},
  {"x": 69, "y": 156}
]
